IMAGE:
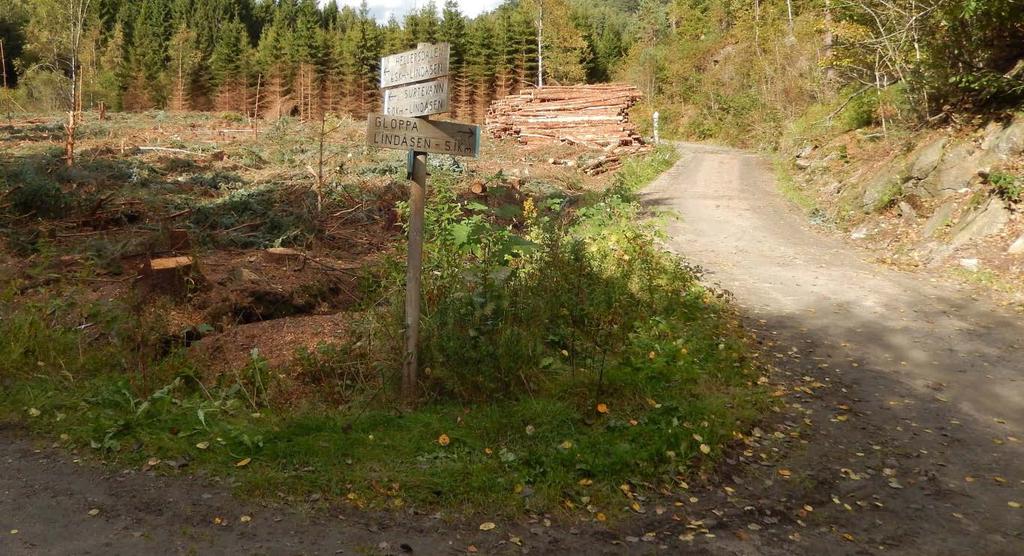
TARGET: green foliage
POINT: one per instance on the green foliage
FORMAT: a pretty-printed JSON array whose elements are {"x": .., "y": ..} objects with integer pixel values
[
  {"x": 256, "y": 217},
  {"x": 32, "y": 192},
  {"x": 1008, "y": 186}
]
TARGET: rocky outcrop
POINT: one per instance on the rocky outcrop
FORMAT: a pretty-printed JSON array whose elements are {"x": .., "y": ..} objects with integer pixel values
[
  {"x": 881, "y": 191},
  {"x": 924, "y": 161},
  {"x": 938, "y": 220},
  {"x": 959, "y": 166},
  {"x": 987, "y": 220},
  {"x": 1018, "y": 247}
]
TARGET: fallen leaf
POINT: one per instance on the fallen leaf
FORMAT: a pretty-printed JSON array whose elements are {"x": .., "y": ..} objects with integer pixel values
[
  {"x": 245, "y": 519},
  {"x": 586, "y": 482},
  {"x": 203, "y": 445},
  {"x": 565, "y": 445},
  {"x": 33, "y": 412},
  {"x": 705, "y": 449},
  {"x": 218, "y": 520},
  {"x": 848, "y": 537},
  {"x": 444, "y": 440},
  {"x": 244, "y": 462},
  {"x": 94, "y": 512},
  {"x": 487, "y": 526},
  {"x": 530, "y": 429},
  {"x": 471, "y": 548},
  {"x": 785, "y": 472},
  {"x": 14, "y": 531},
  {"x": 601, "y": 517},
  {"x": 1014, "y": 505},
  {"x": 602, "y": 408}
]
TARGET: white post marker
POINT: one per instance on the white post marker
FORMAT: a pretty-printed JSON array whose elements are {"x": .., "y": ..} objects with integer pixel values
[
  {"x": 657, "y": 138},
  {"x": 416, "y": 85}
]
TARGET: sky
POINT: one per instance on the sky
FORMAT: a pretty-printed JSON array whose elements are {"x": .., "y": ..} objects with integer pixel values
[{"x": 383, "y": 9}]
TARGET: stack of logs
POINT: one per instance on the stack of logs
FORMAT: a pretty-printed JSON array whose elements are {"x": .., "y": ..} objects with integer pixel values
[{"x": 595, "y": 116}]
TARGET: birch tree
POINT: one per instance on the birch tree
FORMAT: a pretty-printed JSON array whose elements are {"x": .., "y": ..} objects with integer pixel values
[{"x": 55, "y": 35}]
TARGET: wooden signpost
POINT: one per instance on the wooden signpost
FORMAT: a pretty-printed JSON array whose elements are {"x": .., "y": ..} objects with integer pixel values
[{"x": 416, "y": 85}]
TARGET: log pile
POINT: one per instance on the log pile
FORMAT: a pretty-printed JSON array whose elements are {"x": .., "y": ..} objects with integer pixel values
[{"x": 595, "y": 116}]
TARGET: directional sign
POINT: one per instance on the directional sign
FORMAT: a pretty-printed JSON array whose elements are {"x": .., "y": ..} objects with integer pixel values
[
  {"x": 418, "y": 99},
  {"x": 422, "y": 64},
  {"x": 414, "y": 134}
]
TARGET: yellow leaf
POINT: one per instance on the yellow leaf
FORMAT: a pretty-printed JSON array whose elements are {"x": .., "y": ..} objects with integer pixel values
[
  {"x": 565, "y": 445},
  {"x": 601, "y": 517},
  {"x": 33, "y": 412},
  {"x": 203, "y": 445},
  {"x": 602, "y": 408},
  {"x": 785, "y": 472},
  {"x": 487, "y": 526},
  {"x": 633, "y": 422},
  {"x": 1014, "y": 505},
  {"x": 94, "y": 512},
  {"x": 444, "y": 440},
  {"x": 245, "y": 519},
  {"x": 244, "y": 462},
  {"x": 488, "y": 451},
  {"x": 586, "y": 482},
  {"x": 705, "y": 449},
  {"x": 848, "y": 537}
]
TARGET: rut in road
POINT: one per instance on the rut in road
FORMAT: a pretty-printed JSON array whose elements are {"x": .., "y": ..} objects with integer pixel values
[{"x": 934, "y": 375}]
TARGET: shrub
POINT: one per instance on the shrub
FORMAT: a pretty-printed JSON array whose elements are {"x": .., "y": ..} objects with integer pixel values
[
  {"x": 1008, "y": 186},
  {"x": 35, "y": 193}
]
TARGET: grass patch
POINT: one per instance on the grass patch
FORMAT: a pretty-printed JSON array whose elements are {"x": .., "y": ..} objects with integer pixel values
[
  {"x": 792, "y": 190},
  {"x": 569, "y": 364}
]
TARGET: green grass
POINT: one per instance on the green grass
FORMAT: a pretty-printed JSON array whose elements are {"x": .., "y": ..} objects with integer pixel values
[
  {"x": 792, "y": 190},
  {"x": 564, "y": 361}
]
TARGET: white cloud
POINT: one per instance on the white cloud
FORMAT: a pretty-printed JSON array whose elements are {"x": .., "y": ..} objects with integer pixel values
[{"x": 383, "y": 9}]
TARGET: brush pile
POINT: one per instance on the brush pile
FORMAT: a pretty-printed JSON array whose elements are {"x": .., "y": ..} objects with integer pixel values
[{"x": 595, "y": 116}]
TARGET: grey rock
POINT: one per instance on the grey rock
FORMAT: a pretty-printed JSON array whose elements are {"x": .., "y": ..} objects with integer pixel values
[
  {"x": 907, "y": 211},
  {"x": 958, "y": 168},
  {"x": 881, "y": 191},
  {"x": 939, "y": 219},
  {"x": 970, "y": 264},
  {"x": 986, "y": 221},
  {"x": 1010, "y": 141},
  {"x": 804, "y": 164},
  {"x": 806, "y": 151},
  {"x": 1018, "y": 247},
  {"x": 244, "y": 276},
  {"x": 926, "y": 159}
]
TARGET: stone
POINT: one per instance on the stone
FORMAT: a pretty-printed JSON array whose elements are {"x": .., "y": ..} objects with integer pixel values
[
  {"x": 881, "y": 191},
  {"x": 1010, "y": 142},
  {"x": 926, "y": 159},
  {"x": 938, "y": 220},
  {"x": 245, "y": 276},
  {"x": 983, "y": 222},
  {"x": 970, "y": 264},
  {"x": 958, "y": 168},
  {"x": 1018, "y": 247},
  {"x": 804, "y": 164},
  {"x": 907, "y": 211}
]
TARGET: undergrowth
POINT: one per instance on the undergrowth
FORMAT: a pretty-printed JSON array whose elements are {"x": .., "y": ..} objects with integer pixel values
[{"x": 570, "y": 363}]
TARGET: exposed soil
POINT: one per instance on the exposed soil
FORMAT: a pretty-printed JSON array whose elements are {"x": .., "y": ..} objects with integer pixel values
[{"x": 900, "y": 431}]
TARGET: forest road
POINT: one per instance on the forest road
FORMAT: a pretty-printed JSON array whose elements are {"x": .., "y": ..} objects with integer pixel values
[{"x": 923, "y": 425}]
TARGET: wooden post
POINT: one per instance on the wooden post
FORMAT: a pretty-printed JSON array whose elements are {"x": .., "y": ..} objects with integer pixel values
[{"x": 417, "y": 204}]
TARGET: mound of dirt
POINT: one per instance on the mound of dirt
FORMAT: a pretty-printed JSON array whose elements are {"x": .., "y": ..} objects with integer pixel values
[{"x": 277, "y": 341}]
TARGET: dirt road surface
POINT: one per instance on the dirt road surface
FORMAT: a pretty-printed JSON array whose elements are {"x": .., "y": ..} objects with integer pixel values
[{"x": 901, "y": 434}]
